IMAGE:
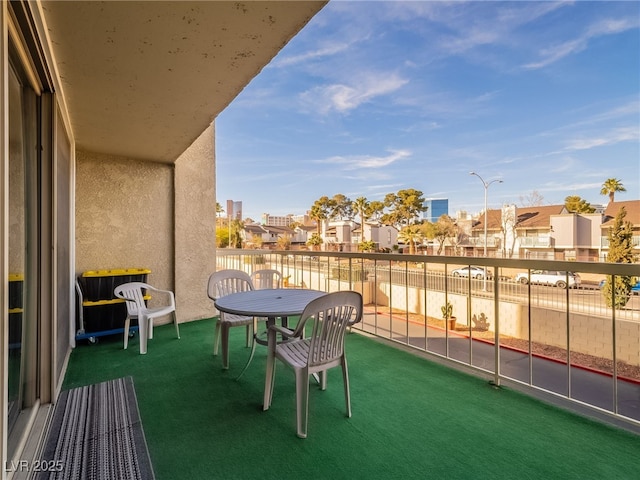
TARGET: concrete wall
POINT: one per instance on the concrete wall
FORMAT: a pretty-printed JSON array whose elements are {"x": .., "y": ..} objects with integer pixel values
[
  {"x": 195, "y": 223},
  {"x": 124, "y": 216},
  {"x": 140, "y": 214}
]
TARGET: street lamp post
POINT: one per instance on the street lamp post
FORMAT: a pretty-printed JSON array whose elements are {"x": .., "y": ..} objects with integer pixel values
[{"x": 486, "y": 217}]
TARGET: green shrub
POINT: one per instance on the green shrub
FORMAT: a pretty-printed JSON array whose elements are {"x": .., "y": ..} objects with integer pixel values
[{"x": 344, "y": 273}]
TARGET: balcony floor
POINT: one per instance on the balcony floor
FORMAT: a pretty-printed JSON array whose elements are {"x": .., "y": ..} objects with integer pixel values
[{"x": 412, "y": 418}]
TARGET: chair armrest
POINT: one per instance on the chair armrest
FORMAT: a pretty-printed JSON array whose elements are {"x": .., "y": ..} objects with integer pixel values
[
  {"x": 279, "y": 329},
  {"x": 171, "y": 295},
  {"x": 272, "y": 333}
]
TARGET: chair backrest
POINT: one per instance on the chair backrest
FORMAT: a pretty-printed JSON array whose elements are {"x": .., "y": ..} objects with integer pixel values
[
  {"x": 133, "y": 293},
  {"x": 265, "y": 279},
  {"x": 225, "y": 282},
  {"x": 331, "y": 314}
]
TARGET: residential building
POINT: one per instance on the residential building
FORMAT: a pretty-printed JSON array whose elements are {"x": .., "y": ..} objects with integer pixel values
[
  {"x": 632, "y": 208},
  {"x": 548, "y": 232}
]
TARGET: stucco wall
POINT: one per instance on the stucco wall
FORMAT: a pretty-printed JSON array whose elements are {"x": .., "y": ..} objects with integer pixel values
[
  {"x": 124, "y": 216},
  {"x": 195, "y": 227}
]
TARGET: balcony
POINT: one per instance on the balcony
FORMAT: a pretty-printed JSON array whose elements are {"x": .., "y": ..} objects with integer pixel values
[
  {"x": 543, "y": 241},
  {"x": 635, "y": 241},
  {"x": 461, "y": 401},
  {"x": 405, "y": 293},
  {"x": 412, "y": 418},
  {"x": 492, "y": 241}
]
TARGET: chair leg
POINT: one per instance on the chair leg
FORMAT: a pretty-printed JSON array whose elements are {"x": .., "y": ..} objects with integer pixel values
[
  {"x": 345, "y": 377},
  {"x": 269, "y": 380},
  {"x": 150, "y": 328},
  {"x": 175, "y": 320},
  {"x": 225, "y": 345},
  {"x": 323, "y": 379},
  {"x": 302, "y": 402},
  {"x": 127, "y": 324},
  {"x": 143, "y": 330},
  {"x": 216, "y": 337}
]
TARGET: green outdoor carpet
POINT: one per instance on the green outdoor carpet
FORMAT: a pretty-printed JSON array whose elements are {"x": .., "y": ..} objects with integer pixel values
[{"x": 412, "y": 418}]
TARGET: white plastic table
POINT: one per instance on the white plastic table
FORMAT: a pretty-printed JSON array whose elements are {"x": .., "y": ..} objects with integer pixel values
[{"x": 269, "y": 304}]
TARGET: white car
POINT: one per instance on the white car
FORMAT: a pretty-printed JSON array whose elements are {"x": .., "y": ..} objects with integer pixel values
[
  {"x": 474, "y": 272},
  {"x": 550, "y": 277}
]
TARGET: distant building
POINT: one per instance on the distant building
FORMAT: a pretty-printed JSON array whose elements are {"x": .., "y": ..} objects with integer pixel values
[
  {"x": 286, "y": 220},
  {"x": 234, "y": 210},
  {"x": 276, "y": 221},
  {"x": 436, "y": 207}
]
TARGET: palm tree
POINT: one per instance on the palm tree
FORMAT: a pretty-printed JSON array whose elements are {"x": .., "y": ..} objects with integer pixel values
[
  {"x": 411, "y": 234},
  {"x": 320, "y": 211},
  {"x": 610, "y": 187},
  {"x": 361, "y": 205}
]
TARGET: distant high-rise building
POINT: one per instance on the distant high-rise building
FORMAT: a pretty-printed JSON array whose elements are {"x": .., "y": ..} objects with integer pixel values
[
  {"x": 276, "y": 221},
  {"x": 436, "y": 207},
  {"x": 234, "y": 210},
  {"x": 285, "y": 220}
]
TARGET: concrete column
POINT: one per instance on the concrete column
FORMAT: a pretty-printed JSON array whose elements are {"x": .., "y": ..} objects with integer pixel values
[{"x": 195, "y": 222}]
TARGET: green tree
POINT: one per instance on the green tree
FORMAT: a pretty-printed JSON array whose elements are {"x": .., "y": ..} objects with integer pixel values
[
  {"x": 315, "y": 241},
  {"x": 257, "y": 240},
  {"x": 283, "y": 242},
  {"x": 411, "y": 234},
  {"x": 404, "y": 207},
  {"x": 219, "y": 209},
  {"x": 235, "y": 239},
  {"x": 441, "y": 230},
  {"x": 575, "y": 204},
  {"x": 375, "y": 210},
  {"x": 360, "y": 206},
  {"x": 320, "y": 211},
  {"x": 367, "y": 246},
  {"x": 620, "y": 237},
  {"x": 222, "y": 237},
  {"x": 610, "y": 187},
  {"x": 341, "y": 207}
]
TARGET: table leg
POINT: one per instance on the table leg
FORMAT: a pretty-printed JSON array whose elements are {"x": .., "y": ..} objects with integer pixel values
[{"x": 270, "y": 321}]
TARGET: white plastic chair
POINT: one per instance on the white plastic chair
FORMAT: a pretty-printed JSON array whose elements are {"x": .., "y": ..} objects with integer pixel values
[
  {"x": 222, "y": 283},
  {"x": 133, "y": 293},
  {"x": 331, "y": 314},
  {"x": 266, "y": 278}
]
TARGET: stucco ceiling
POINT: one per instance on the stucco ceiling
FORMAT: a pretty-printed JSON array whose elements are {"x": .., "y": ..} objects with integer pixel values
[{"x": 145, "y": 79}]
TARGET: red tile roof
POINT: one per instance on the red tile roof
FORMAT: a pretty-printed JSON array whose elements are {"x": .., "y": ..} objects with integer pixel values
[
  {"x": 528, "y": 217},
  {"x": 633, "y": 213}
]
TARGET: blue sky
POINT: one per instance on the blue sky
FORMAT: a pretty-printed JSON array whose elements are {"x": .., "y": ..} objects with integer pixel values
[{"x": 374, "y": 97}]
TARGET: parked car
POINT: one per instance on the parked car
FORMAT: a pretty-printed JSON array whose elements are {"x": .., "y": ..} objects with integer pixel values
[
  {"x": 550, "y": 277},
  {"x": 474, "y": 272},
  {"x": 635, "y": 288}
]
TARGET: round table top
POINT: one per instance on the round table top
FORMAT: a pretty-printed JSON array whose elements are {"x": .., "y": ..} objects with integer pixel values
[{"x": 277, "y": 302}]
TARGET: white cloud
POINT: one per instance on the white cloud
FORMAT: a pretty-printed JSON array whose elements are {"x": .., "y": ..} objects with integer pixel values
[
  {"x": 354, "y": 162},
  {"x": 603, "y": 27},
  {"x": 320, "y": 53},
  {"x": 618, "y": 135},
  {"x": 343, "y": 98}
]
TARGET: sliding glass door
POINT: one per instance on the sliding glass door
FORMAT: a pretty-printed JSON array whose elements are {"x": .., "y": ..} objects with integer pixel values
[{"x": 23, "y": 239}]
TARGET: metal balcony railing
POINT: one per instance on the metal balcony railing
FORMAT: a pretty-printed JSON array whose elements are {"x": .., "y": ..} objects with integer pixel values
[
  {"x": 567, "y": 343},
  {"x": 635, "y": 241}
]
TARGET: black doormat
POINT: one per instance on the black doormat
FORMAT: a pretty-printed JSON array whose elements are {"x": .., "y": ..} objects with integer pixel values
[{"x": 96, "y": 434}]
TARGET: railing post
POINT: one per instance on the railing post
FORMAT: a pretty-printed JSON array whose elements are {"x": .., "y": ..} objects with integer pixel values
[{"x": 496, "y": 310}]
